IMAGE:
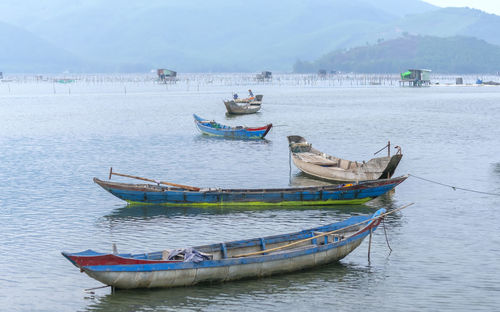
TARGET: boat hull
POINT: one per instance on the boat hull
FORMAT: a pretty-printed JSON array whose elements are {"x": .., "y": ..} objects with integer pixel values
[
  {"x": 321, "y": 195},
  {"x": 216, "y": 129},
  {"x": 320, "y": 165},
  {"x": 388, "y": 164},
  {"x": 242, "y": 108},
  {"x": 127, "y": 278},
  {"x": 230, "y": 261}
]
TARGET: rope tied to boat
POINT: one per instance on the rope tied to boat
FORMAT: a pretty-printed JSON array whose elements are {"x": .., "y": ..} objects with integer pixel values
[
  {"x": 386, "y": 238},
  {"x": 453, "y": 187},
  {"x": 388, "y": 146}
]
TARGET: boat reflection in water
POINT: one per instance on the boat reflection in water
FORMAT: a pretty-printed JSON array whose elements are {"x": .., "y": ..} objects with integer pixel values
[{"x": 149, "y": 212}]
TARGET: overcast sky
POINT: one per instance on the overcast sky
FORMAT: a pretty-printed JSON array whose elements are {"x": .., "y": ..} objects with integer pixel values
[{"x": 490, "y": 6}]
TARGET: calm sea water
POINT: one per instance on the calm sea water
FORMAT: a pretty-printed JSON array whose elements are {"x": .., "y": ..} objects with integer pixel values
[{"x": 55, "y": 138}]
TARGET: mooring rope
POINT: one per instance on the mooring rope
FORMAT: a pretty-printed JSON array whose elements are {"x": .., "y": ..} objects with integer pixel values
[
  {"x": 454, "y": 187},
  {"x": 383, "y": 148},
  {"x": 386, "y": 238}
]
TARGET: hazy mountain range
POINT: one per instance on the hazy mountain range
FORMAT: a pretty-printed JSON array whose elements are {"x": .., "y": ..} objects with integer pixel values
[
  {"x": 196, "y": 35},
  {"x": 451, "y": 55}
]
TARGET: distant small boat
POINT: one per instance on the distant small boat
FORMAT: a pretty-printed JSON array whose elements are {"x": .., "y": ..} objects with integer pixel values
[
  {"x": 211, "y": 127},
  {"x": 244, "y": 106},
  {"x": 353, "y": 193},
  {"x": 64, "y": 80},
  {"x": 228, "y": 261},
  {"x": 317, "y": 164}
]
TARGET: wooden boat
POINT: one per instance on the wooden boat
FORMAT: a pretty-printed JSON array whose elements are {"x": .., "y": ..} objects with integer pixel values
[
  {"x": 244, "y": 106},
  {"x": 228, "y": 261},
  {"x": 355, "y": 193},
  {"x": 317, "y": 164},
  {"x": 239, "y": 132}
]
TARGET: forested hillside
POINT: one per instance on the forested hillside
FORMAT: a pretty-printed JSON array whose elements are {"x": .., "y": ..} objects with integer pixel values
[{"x": 444, "y": 55}]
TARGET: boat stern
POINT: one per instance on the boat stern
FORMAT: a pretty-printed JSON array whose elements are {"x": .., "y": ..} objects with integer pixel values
[
  {"x": 269, "y": 126},
  {"x": 391, "y": 166}
]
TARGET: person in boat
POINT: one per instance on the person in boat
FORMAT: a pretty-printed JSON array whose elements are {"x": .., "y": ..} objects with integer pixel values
[
  {"x": 250, "y": 94},
  {"x": 235, "y": 96}
]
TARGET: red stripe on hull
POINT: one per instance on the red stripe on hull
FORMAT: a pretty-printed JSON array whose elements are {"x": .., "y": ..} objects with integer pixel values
[
  {"x": 258, "y": 129},
  {"x": 111, "y": 260}
]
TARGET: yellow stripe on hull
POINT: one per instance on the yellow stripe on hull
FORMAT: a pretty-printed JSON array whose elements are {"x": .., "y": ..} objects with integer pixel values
[{"x": 283, "y": 203}]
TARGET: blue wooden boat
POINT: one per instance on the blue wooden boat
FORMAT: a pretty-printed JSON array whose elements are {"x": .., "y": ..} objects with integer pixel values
[
  {"x": 228, "y": 261},
  {"x": 211, "y": 127},
  {"x": 353, "y": 193}
]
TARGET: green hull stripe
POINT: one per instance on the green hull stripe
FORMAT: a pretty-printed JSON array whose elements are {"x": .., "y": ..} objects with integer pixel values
[
  {"x": 231, "y": 136},
  {"x": 284, "y": 203}
]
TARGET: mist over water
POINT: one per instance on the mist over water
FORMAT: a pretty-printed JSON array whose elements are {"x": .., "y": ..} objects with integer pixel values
[{"x": 54, "y": 138}]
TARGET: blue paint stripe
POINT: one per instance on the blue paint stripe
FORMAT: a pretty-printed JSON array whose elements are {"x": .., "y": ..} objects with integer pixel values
[
  {"x": 181, "y": 197},
  {"x": 223, "y": 262},
  {"x": 226, "y": 131}
]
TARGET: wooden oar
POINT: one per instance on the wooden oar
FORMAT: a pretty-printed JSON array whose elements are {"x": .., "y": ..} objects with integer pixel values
[
  {"x": 187, "y": 187},
  {"x": 320, "y": 235}
]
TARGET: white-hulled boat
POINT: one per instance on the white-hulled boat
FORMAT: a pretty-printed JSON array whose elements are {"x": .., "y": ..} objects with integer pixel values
[
  {"x": 228, "y": 261},
  {"x": 317, "y": 164}
]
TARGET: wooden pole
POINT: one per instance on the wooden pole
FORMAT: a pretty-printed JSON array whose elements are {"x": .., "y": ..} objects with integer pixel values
[
  {"x": 130, "y": 176},
  {"x": 369, "y": 244},
  {"x": 94, "y": 288},
  {"x": 187, "y": 187}
]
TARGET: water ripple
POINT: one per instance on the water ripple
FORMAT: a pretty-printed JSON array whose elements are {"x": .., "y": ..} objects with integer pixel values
[{"x": 444, "y": 247}]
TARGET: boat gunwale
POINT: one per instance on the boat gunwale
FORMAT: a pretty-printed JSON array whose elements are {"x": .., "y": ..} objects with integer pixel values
[
  {"x": 162, "y": 265},
  {"x": 325, "y": 155},
  {"x": 230, "y": 261},
  {"x": 335, "y": 187}
]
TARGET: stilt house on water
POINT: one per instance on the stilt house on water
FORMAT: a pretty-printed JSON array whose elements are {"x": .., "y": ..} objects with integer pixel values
[
  {"x": 415, "y": 78},
  {"x": 166, "y": 75},
  {"x": 264, "y": 76}
]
